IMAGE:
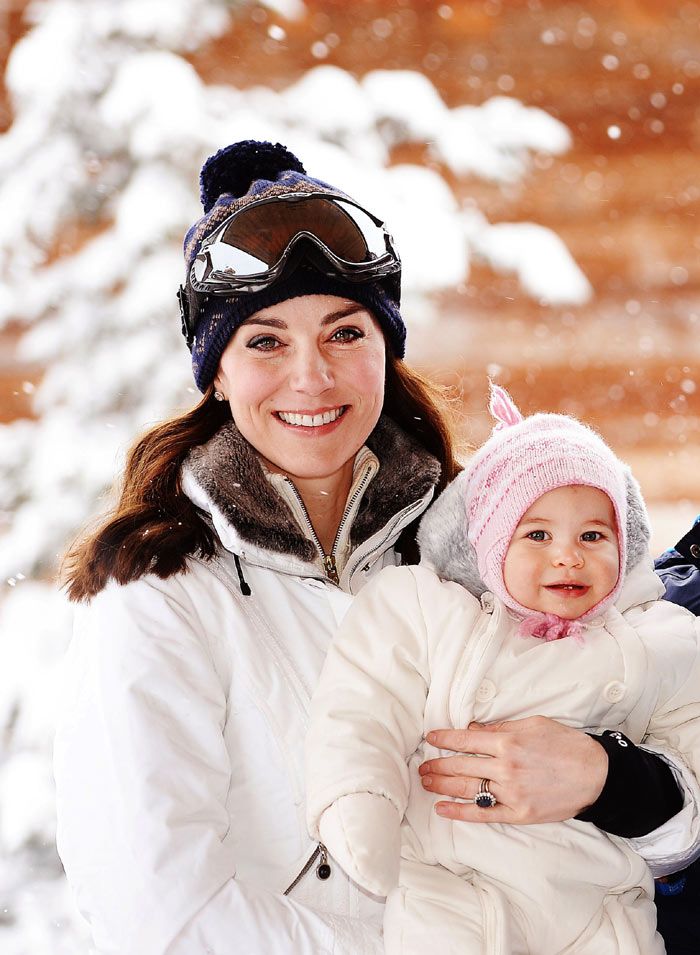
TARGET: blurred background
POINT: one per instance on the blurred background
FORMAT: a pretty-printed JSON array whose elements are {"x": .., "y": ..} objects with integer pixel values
[{"x": 536, "y": 161}]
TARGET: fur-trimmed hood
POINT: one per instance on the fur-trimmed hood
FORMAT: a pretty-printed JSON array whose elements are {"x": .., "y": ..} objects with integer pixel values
[
  {"x": 443, "y": 543},
  {"x": 227, "y": 472}
]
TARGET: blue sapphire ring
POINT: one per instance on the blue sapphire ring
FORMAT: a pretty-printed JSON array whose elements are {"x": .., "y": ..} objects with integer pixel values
[{"x": 484, "y": 798}]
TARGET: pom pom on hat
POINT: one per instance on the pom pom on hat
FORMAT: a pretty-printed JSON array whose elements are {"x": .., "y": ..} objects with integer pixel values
[{"x": 233, "y": 169}]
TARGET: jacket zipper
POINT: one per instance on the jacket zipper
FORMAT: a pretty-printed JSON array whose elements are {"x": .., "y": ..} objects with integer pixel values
[
  {"x": 323, "y": 869},
  {"x": 366, "y": 558},
  {"x": 329, "y": 564}
]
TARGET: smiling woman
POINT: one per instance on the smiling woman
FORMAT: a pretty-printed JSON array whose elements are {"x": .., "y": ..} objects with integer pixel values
[
  {"x": 210, "y": 595},
  {"x": 243, "y": 529}
]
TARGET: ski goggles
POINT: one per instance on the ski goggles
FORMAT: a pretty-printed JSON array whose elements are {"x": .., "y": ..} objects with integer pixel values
[{"x": 258, "y": 244}]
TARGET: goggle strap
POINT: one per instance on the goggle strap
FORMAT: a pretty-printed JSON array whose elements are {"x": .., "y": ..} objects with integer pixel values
[{"x": 189, "y": 308}]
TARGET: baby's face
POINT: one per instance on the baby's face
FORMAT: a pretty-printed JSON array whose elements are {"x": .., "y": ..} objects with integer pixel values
[{"x": 563, "y": 557}]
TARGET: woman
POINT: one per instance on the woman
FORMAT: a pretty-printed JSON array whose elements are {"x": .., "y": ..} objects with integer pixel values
[{"x": 212, "y": 592}]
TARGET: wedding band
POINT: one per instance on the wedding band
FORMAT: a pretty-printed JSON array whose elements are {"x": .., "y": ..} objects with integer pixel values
[{"x": 484, "y": 798}]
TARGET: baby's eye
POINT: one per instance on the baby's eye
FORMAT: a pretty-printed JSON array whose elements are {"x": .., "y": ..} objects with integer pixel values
[
  {"x": 346, "y": 334},
  {"x": 591, "y": 536},
  {"x": 263, "y": 342},
  {"x": 537, "y": 535}
]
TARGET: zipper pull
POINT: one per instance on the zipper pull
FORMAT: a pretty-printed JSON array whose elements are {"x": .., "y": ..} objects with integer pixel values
[
  {"x": 331, "y": 569},
  {"x": 323, "y": 869}
]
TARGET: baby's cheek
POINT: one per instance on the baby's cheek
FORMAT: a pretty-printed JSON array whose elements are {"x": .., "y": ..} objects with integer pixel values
[{"x": 520, "y": 573}]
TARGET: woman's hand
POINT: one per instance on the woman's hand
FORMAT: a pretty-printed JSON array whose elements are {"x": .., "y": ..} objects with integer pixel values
[{"x": 538, "y": 770}]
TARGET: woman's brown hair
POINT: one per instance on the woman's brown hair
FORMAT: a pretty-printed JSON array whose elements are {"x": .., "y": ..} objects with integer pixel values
[{"x": 154, "y": 526}]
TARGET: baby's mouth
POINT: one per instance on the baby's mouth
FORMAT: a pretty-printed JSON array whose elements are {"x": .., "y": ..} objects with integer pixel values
[{"x": 568, "y": 588}]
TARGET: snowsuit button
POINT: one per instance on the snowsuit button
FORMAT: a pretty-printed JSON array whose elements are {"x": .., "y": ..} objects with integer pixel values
[
  {"x": 614, "y": 691},
  {"x": 486, "y": 691}
]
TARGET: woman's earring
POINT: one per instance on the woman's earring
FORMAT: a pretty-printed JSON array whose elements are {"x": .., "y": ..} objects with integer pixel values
[{"x": 218, "y": 396}]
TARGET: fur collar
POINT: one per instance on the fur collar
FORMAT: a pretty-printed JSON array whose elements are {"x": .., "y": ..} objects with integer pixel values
[{"x": 229, "y": 471}]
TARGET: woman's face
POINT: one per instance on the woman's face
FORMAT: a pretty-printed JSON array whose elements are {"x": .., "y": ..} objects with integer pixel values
[{"x": 305, "y": 381}]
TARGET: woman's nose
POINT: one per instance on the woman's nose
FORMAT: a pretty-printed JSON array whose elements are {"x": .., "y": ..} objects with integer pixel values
[{"x": 311, "y": 373}]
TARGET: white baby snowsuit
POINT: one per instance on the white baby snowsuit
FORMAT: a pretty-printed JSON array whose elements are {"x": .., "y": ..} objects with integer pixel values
[{"x": 416, "y": 653}]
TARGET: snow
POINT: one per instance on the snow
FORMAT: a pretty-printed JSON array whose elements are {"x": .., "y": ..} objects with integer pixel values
[
  {"x": 173, "y": 24},
  {"x": 437, "y": 254},
  {"x": 111, "y": 126},
  {"x": 27, "y": 799},
  {"x": 170, "y": 205},
  {"x": 147, "y": 100},
  {"x": 406, "y": 105},
  {"x": 538, "y": 257},
  {"x": 341, "y": 111},
  {"x": 493, "y": 140},
  {"x": 290, "y": 9},
  {"x": 42, "y": 65}
]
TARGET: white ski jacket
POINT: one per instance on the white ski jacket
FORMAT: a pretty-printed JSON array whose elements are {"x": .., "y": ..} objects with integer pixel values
[{"x": 179, "y": 751}]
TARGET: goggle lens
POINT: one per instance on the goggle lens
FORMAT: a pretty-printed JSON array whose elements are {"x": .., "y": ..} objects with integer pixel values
[{"x": 256, "y": 240}]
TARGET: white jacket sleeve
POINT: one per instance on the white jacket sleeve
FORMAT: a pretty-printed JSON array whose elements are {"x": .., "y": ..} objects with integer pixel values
[
  {"x": 142, "y": 775},
  {"x": 674, "y": 734},
  {"x": 366, "y": 720}
]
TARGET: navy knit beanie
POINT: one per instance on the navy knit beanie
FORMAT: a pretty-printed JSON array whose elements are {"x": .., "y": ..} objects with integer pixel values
[{"x": 230, "y": 180}]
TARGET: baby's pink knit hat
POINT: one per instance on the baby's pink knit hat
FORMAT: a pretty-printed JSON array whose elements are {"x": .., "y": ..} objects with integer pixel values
[{"x": 522, "y": 460}]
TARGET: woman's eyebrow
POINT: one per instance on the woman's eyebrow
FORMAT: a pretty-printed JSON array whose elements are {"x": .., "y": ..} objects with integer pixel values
[
  {"x": 350, "y": 309},
  {"x": 269, "y": 322}
]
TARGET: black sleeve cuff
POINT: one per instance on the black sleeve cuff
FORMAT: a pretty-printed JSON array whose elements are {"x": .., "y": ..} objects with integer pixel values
[
  {"x": 640, "y": 793},
  {"x": 689, "y": 545}
]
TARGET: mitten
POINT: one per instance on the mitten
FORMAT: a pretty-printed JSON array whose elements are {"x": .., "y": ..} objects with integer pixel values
[{"x": 362, "y": 831}]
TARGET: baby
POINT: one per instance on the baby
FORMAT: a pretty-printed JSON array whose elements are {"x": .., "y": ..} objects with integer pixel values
[{"x": 535, "y": 596}]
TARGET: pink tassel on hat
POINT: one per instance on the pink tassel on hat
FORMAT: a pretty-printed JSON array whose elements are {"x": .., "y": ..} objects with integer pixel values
[
  {"x": 503, "y": 408},
  {"x": 548, "y": 626}
]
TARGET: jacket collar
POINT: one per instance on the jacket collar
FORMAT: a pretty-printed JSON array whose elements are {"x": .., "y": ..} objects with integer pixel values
[
  {"x": 641, "y": 585},
  {"x": 226, "y": 479}
]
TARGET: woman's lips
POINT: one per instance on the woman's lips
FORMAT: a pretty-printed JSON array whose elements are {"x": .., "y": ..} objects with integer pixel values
[
  {"x": 315, "y": 423},
  {"x": 312, "y": 419}
]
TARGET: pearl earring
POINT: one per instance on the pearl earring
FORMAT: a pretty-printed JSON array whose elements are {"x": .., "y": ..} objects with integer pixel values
[{"x": 218, "y": 396}]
